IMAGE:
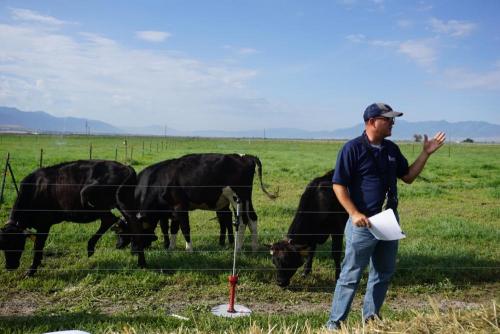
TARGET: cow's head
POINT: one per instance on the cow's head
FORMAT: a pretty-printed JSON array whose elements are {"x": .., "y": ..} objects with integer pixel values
[
  {"x": 287, "y": 258},
  {"x": 124, "y": 234},
  {"x": 12, "y": 242}
]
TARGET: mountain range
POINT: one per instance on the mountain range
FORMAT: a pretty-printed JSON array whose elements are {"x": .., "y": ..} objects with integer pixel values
[{"x": 16, "y": 121}]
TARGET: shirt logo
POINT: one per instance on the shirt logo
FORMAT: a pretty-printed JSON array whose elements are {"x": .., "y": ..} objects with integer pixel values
[{"x": 392, "y": 159}]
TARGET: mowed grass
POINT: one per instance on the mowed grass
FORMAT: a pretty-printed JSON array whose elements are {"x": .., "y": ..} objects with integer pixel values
[{"x": 451, "y": 215}]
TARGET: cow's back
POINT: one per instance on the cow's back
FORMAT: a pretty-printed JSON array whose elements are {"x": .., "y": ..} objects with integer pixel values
[
  {"x": 319, "y": 213},
  {"x": 54, "y": 193}
]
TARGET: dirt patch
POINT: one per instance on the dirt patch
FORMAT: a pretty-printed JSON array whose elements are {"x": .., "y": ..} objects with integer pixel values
[
  {"x": 14, "y": 304},
  {"x": 22, "y": 304}
]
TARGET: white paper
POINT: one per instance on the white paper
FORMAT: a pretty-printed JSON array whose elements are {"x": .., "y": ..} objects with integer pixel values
[{"x": 385, "y": 226}]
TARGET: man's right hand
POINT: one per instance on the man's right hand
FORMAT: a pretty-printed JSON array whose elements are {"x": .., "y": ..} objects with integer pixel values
[{"x": 360, "y": 220}]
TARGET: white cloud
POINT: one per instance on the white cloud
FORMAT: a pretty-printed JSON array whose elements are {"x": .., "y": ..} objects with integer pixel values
[
  {"x": 98, "y": 78},
  {"x": 241, "y": 50},
  {"x": 152, "y": 36},
  {"x": 453, "y": 28},
  {"x": 29, "y": 15},
  {"x": 405, "y": 23},
  {"x": 459, "y": 78},
  {"x": 356, "y": 38},
  {"x": 421, "y": 51}
]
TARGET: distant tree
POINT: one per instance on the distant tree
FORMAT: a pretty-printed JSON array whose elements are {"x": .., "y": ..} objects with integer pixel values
[
  {"x": 418, "y": 138},
  {"x": 468, "y": 140}
]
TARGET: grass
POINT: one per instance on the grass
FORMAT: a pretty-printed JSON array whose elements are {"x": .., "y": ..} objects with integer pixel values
[{"x": 452, "y": 255}]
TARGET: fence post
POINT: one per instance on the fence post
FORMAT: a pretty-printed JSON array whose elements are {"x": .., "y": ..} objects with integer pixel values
[
  {"x": 90, "y": 152},
  {"x": 4, "y": 176},
  {"x": 126, "y": 149},
  {"x": 41, "y": 157},
  {"x": 143, "y": 148},
  {"x": 116, "y": 153},
  {"x": 131, "y": 152},
  {"x": 13, "y": 178}
]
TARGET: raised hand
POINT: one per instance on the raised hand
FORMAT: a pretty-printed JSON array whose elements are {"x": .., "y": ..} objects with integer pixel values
[{"x": 431, "y": 146}]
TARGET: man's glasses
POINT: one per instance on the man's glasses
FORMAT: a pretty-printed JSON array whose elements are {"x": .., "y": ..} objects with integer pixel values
[{"x": 387, "y": 119}]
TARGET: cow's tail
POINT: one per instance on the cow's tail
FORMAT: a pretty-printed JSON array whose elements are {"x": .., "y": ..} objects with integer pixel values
[
  {"x": 125, "y": 193},
  {"x": 259, "y": 173}
]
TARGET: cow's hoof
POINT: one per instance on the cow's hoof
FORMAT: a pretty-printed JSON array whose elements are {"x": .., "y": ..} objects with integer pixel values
[{"x": 90, "y": 252}]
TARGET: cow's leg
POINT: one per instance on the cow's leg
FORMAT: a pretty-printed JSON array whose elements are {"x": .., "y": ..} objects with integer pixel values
[
  {"x": 309, "y": 261},
  {"x": 183, "y": 221},
  {"x": 107, "y": 221},
  {"x": 225, "y": 222},
  {"x": 135, "y": 227},
  {"x": 164, "y": 229},
  {"x": 252, "y": 224},
  {"x": 240, "y": 234},
  {"x": 174, "y": 229},
  {"x": 149, "y": 227},
  {"x": 233, "y": 199},
  {"x": 337, "y": 251},
  {"x": 40, "y": 239}
]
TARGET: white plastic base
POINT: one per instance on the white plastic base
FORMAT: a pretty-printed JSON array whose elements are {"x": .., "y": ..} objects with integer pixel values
[{"x": 221, "y": 311}]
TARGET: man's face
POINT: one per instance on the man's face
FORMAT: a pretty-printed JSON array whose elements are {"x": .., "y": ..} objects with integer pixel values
[{"x": 383, "y": 125}]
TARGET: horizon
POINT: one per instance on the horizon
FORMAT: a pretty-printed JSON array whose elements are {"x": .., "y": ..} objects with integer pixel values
[
  {"x": 479, "y": 131},
  {"x": 234, "y": 65}
]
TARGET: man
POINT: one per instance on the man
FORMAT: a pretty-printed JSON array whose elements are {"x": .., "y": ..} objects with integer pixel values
[{"x": 365, "y": 177}]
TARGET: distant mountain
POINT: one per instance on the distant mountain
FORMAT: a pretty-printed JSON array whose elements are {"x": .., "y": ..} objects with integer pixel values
[
  {"x": 14, "y": 120},
  {"x": 39, "y": 121}
]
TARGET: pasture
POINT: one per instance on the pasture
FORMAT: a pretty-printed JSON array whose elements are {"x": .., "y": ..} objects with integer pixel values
[{"x": 451, "y": 256}]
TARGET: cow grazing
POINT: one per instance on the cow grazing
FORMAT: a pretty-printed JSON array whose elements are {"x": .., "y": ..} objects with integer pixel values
[
  {"x": 78, "y": 191},
  {"x": 318, "y": 216},
  {"x": 170, "y": 189}
]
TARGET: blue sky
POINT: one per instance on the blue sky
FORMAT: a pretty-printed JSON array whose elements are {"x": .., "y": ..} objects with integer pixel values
[{"x": 240, "y": 65}]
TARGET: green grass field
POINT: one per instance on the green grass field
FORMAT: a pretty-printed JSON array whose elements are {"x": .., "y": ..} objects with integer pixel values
[{"x": 451, "y": 215}]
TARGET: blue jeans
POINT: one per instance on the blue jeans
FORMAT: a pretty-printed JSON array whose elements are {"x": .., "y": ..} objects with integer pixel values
[{"x": 362, "y": 248}]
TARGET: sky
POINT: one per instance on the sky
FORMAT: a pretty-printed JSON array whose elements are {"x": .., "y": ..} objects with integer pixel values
[{"x": 245, "y": 65}]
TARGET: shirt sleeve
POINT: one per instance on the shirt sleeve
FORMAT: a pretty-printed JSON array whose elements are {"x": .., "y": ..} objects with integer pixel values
[
  {"x": 345, "y": 166},
  {"x": 402, "y": 167}
]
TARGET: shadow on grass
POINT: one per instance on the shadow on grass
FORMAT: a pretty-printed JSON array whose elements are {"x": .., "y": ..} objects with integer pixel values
[{"x": 215, "y": 262}]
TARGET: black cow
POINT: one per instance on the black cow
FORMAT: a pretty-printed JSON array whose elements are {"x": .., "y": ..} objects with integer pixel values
[
  {"x": 318, "y": 216},
  {"x": 170, "y": 189},
  {"x": 79, "y": 191}
]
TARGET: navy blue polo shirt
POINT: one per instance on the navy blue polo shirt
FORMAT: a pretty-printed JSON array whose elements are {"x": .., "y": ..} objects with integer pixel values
[{"x": 369, "y": 176}]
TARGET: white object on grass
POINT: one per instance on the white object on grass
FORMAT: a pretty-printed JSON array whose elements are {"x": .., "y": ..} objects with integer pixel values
[
  {"x": 73, "y": 331},
  {"x": 240, "y": 311}
]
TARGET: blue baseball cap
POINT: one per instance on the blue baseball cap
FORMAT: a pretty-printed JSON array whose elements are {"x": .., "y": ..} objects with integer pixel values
[{"x": 380, "y": 109}]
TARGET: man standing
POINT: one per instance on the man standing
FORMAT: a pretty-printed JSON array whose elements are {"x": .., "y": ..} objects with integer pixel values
[{"x": 365, "y": 178}]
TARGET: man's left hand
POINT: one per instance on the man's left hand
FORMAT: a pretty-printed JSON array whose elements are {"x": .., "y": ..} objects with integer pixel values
[{"x": 431, "y": 146}]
